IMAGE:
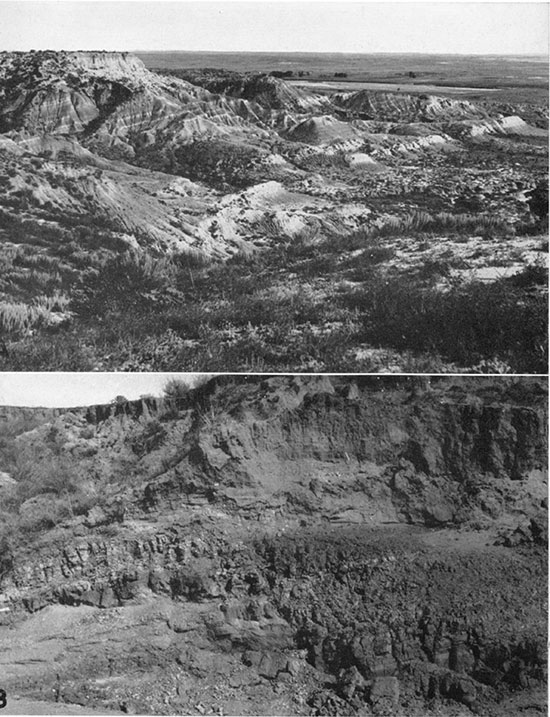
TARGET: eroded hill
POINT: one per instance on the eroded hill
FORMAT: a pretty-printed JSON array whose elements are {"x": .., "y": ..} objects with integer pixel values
[
  {"x": 104, "y": 163},
  {"x": 282, "y": 546}
]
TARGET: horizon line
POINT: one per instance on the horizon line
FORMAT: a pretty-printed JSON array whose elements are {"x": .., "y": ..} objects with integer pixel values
[
  {"x": 331, "y": 52},
  {"x": 293, "y": 52}
]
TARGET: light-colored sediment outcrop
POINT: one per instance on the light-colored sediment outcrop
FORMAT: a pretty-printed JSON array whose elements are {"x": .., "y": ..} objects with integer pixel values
[{"x": 86, "y": 111}]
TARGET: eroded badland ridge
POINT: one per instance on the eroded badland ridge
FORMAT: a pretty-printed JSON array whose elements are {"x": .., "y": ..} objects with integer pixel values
[
  {"x": 281, "y": 545},
  {"x": 215, "y": 220}
]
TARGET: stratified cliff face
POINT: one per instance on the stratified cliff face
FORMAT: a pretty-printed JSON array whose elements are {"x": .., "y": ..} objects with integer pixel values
[
  {"x": 23, "y": 415},
  {"x": 49, "y": 62},
  {"x": 290, "y": 546},
  {"x": 116, "y": 64},
  {"x": 51, "y": 93},
  {"x": 69, "y": 93}
]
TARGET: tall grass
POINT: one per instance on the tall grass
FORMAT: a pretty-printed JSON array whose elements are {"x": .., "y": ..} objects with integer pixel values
[
  {"x": 21, "y": 317},
  {"x": 422, "y": 221},
  {"x": 122, "y": 281}
]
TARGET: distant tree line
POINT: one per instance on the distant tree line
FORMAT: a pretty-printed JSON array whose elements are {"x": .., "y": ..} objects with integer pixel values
[{"x": 282, "y": 74}]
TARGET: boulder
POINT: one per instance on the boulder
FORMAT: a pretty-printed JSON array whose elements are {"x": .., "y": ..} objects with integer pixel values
[
  {"x": 271, "y": 664},
  {"x": 96, "y": 516}
]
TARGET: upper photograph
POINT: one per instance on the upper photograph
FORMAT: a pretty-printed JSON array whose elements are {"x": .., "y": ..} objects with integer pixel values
[{"x": 274, "y": 187}]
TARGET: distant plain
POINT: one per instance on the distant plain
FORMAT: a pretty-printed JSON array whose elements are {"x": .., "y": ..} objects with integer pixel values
[{"x": 517, "y": 78}]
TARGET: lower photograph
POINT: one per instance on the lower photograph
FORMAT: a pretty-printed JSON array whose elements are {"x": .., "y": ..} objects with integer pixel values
[{"x": 273, "y": 544}]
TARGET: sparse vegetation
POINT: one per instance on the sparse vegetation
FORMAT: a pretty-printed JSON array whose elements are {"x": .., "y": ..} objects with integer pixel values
[
  {"x": 389, "y": 238},
  {"x": 158, "y": 314},
  {"x": 46, "y": 490}
]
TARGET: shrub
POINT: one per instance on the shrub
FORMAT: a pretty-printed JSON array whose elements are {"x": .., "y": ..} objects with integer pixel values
[
  {"x": 36, "y": 474},
  {"x": 465, "y": 324},
  {"x": 531, "y": 276},
  {"x": 9, "y": 539},
  {"x": 43, "y": 512},
  {"x": 176, "y": 389},
  {"x": 148, "y": 438}
]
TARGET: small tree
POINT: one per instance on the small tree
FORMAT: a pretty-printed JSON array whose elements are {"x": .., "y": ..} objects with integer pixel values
[
  {"x": 119, "y": 400},
  {"x": 176, "y": 389}
]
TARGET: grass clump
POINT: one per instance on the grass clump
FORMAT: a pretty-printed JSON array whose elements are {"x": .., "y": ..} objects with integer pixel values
[
  {"x": 21, "y": 317},
  {"x": 441, "y": 222},
  {"x": 121, "y": 281}
]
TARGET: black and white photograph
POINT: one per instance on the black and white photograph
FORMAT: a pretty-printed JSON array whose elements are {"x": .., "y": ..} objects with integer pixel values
[
  {"x": 273, "y": 545},
  {"x": 274, "y": 358},
  {"x": 274, "y": 186}
]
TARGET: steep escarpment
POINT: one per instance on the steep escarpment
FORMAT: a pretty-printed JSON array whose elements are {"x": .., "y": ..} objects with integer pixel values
[
  {"x": 62, "y": 93},
  {"x": 110, "y": 102},
  {"x": 285, "y": 546}
]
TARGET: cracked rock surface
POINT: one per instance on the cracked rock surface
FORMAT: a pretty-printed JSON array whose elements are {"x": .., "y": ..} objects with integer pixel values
[{"x": 315, "y": 545}]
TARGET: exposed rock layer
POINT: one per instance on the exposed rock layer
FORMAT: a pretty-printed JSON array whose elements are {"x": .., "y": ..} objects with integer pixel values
[
  {"x": 218, "y": 132},
  {"x": 279, "y": 535}
]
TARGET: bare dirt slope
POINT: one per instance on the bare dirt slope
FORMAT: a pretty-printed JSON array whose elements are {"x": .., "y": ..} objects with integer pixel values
[{"x": 283, "y": 546}]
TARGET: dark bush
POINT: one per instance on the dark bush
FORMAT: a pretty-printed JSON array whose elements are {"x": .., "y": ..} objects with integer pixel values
[
  {"x": 465, "y": 324},
  {"x": 123, "y": 281}
]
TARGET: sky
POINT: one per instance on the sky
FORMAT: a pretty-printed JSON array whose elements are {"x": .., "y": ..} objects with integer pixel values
[
  {"x": 284, "y": 26},
  {"x": 63, "y": 390}
]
